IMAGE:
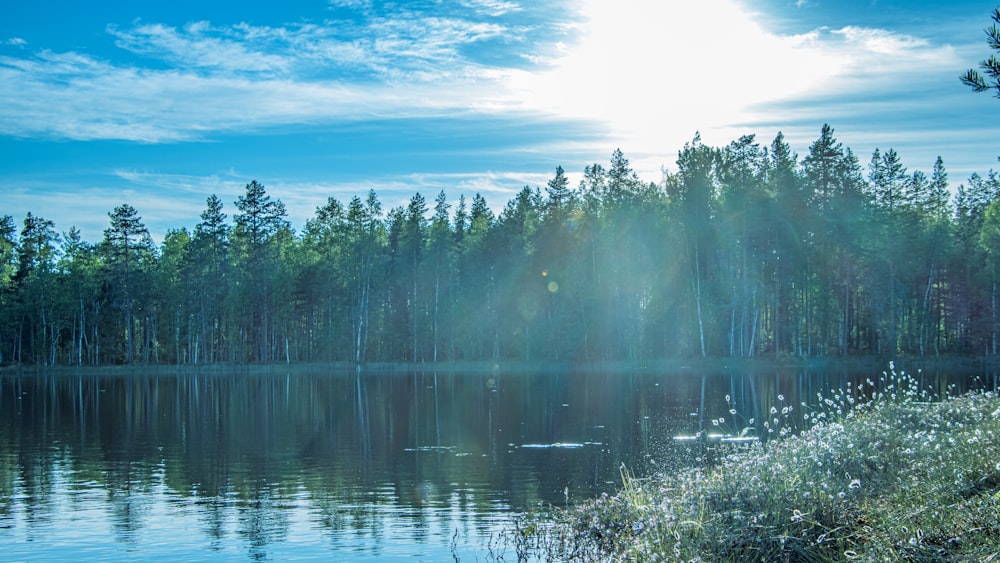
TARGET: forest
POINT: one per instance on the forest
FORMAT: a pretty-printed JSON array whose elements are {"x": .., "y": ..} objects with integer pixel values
[{"x": 745, "y": 251}]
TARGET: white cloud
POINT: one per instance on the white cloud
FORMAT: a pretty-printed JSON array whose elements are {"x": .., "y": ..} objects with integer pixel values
[
  {"x": 197, "y": 46},
  {"x": 219, "y": 184},
  {"x": 242, "y": 76},
  {"x": 16, "y": 42},
  {"x": 652, "y": 72},
  {"x": 657, "y": 72},
  {"x": 879, "y": 40},
  {"x": 878, "y": 55},
  {"x": 494, "y": 8},
  {"x": 85, "y": 205},
  {"x": 73, "y": 96},
  {"x": 352, "y": 4},
  {"x": 404, "y": 46}
]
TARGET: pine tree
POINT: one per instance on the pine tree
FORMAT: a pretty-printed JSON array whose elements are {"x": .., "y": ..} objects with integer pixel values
[
  {"x": 990, "y": 66},
  {"x": 81, "y": 263},
  {"x": 694, "y": 203},
  {"x": 176, "y": 295},
  {"x": 34, "y": 282},
  {"x": 258, "y": 225},
  {"x": 560, "y": 197},
  {"x": 209, "y": 267},
  {"x": 439, "y": 242},
  {"x": 128, "y": 248},
  {"x": 743, "y": 238}
]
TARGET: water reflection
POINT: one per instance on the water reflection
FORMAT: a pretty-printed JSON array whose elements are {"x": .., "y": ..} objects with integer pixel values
[{"x": 250, "y": 464}]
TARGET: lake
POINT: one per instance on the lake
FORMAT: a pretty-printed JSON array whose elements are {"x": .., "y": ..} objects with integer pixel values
[{"x": 322, "y": 464}]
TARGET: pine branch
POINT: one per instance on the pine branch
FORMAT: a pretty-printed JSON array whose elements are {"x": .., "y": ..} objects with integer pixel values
[
  {"x": 991, "y": 67},
  {"x": 993, "y": 37},
  {"x": 975, "y": 81}
]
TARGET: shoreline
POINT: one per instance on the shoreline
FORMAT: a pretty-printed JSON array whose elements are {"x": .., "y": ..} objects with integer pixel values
[
  {"x": 900, "y": 476},
  {"x": 668, "y": 366}
]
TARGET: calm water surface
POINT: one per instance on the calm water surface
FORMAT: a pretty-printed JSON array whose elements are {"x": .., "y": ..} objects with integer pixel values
[{"x": 330, "y": 465}]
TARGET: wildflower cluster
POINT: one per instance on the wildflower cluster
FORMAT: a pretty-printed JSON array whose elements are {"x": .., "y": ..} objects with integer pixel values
[
  {"x": 886, "y": 470},
  {"x": 776, "y": 423}
]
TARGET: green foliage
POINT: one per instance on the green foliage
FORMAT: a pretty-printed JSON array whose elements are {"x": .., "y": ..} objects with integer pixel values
[
  {"x": 129, "y": 255},
  {"x": 207, "y": 277},
  {"x": 886, "y": 471},
  {"x": 8, "y": 244},
  {"x": 743, "y": 251},
  {"x": 990, "y": 66},
  {"x": 261, "y": 230}
]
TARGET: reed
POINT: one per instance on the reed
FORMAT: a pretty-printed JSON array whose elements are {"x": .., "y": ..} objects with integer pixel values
[{"x": 885, "y": 471}]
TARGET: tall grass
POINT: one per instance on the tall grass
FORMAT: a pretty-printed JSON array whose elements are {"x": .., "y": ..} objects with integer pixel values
[{"x": 881, "y": 472}]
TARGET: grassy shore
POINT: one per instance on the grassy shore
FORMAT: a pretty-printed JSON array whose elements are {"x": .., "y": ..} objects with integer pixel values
[{"x": 884, "y": 472}]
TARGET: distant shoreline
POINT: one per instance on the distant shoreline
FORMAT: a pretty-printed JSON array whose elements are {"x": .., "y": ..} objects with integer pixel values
[{"x": 674, "y": 366}]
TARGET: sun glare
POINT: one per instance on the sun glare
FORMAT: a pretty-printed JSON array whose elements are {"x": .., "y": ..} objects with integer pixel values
[{"x": 655, "y": 72}]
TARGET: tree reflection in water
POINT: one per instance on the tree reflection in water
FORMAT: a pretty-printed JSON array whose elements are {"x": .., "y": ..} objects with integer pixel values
[{"x": 259, "y": 463}]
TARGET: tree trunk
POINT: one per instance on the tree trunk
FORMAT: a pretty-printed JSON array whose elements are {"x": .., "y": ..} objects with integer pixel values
[
  {"x": 993, "y": 313},
  {"x": 697, "y": 299},
  {"x": 437, "y": 294}
]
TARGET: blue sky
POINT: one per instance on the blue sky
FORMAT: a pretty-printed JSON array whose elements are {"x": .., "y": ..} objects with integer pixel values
[{"x": 160, "y": 104}]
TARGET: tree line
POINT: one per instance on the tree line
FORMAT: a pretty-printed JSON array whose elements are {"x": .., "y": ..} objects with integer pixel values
[{"x": 747, "y": 250}]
